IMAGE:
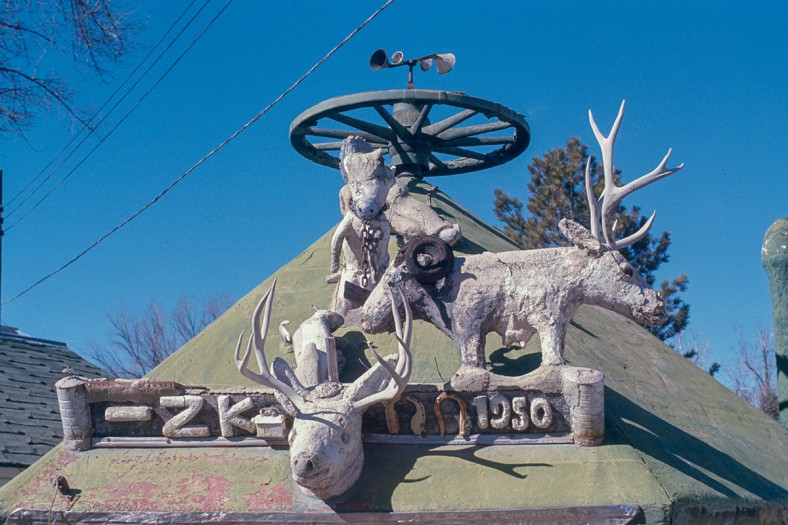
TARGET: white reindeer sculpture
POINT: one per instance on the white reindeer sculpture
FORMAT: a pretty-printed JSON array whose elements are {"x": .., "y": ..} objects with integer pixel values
[
  {"x": 516, "y": 294},
  {"x": 326, "y": 453}
]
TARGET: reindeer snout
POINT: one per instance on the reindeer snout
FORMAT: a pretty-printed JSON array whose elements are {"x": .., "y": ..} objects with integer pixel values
[
  {"x": 305, "y": 466},
  {"x": 367, "y": 209}
]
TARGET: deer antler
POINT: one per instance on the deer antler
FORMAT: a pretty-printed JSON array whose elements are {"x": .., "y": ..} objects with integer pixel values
[
  {"x": 603, "y": 207},
  {"x": 400, "y": 375},
  {"x": 259, "y": 331}
]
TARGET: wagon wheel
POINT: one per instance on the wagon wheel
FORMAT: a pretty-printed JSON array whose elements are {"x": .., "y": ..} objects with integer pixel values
[{"x": 398, "y": 121}]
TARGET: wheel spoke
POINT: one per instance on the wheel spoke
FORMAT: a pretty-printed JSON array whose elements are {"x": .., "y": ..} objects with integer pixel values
[
  {"x": 479, "y": 141},
  {"x": 463, "y": 164},
  {"x": 473, "y": 130},
  {"x": 327, "y": 146},
  {"x": 341, "y": 134},
  {"x": 403, "y": 132},
  {"x": 369, "y": 127},
  {"x": 443, "y": 125},
  {"x": 462, "y": 152},
  {"x": 437, "y": 162},
  {"x": 421, "y": 118}
]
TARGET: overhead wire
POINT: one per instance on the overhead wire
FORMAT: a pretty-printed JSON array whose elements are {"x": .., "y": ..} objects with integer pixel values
[
  {"x": 122, "y": 120},
  {"x": 207, "y": 156},
  {"x": 99, "y": 110}
]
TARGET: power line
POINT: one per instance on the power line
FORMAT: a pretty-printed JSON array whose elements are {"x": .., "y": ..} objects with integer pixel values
[
  {"x": 130, "y": 75},
  {"x": 85, "y": 138},
  {"x": 122, "y": 120},
  {"x": 206, "y": 157}
]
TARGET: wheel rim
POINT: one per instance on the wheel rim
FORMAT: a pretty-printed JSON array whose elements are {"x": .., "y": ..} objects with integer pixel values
[{"x": 399, "y": 121}]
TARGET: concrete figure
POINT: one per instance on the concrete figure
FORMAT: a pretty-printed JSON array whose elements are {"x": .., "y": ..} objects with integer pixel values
[
  {"x": 374, "y": 205},
  {"x": 326, "y": 452},
  {"x": 314, "y": 347},
  {"x": 363, "y": 234},
  {"x": 517, "y": 294},
  {"x": 409, "y": 217}
]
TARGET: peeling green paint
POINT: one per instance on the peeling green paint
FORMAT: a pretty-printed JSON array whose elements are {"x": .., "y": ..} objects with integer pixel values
[{"x": 185, "y": 480}]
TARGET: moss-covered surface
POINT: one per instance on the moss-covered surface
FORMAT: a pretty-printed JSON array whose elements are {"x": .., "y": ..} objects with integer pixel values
[{"x": 678, "y": 443}]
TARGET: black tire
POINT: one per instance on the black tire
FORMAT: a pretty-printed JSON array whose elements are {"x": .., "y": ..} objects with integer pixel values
[{"x": 438, "y": 250}]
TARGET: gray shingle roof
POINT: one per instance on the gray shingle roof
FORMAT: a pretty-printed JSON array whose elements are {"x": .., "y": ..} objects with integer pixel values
[{"x": 29, "y": 417}]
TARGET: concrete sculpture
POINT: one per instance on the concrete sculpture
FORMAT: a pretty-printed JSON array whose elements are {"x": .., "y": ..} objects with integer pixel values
[
  {"x": 326, "y": 422},
  {"x": 374, "y": 205},
  {"x": 326, "y": 453},
  {"x": 517, "y": 294},
  {"x": 314, "y": 347},
  {"x": 410, "y": 217},
  {"x": 363, "y": 234}
]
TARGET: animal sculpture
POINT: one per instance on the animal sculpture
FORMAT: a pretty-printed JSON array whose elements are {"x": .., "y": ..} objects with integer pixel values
[
  {"x": 516, "y": 294},
  {"x": 374, "y": 205},
  {"x": 314, "y": 347},
  {"x": 326, "y": 452},
  {"x": 363, "y": 234}
]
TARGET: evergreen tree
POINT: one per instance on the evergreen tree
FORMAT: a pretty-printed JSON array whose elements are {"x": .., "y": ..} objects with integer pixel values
[{"x": 557, "y": 191}]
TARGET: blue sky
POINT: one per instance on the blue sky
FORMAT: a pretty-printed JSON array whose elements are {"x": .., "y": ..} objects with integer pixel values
[{"x": 708, "y": 79}]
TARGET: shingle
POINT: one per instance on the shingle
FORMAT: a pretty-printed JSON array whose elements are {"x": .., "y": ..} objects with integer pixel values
[{"x": 29, "y": 418}]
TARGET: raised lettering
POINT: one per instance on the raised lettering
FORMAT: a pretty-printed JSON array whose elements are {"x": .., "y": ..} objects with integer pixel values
[
  {"x": 230, "y": 416},
  {"x": 175, "y": 427},
  {"x": 501, "y": 408},
  {"x": 520, "y": 422}
]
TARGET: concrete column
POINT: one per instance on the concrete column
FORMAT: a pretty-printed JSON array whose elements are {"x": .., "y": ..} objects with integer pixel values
[
  {"x": 72, "y": 399},
  {"x": 774, "y": 256},
  {"x": 584, "y": 390}
]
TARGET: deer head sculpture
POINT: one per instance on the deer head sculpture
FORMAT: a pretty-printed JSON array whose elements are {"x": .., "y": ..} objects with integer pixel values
[{"x": 326, "y": 452}]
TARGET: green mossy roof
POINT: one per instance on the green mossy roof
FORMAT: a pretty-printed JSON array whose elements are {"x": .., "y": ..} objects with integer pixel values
[{"x": 678, "y": 443}]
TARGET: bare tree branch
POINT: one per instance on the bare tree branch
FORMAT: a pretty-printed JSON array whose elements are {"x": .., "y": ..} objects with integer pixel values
[
  {"x": 137, "y": 343},
  {"x": 753, "y": 373},
  {"x": 96, "y": 31},
  {"x": 697, "y": 349},
  {"x": 50, "y": 86}
]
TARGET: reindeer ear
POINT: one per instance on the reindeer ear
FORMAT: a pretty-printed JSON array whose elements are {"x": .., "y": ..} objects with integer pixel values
[{"x": 580, "y": 237}]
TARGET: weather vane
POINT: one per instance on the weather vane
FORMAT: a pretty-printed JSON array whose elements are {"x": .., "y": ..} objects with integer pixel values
[{"x": 444, "y": 62}]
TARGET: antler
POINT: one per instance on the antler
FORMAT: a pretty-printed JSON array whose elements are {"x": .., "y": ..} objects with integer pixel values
[
  {"x": 404, "y": 367},
  {"x": 259, "y": 331},
  {"x": 603, "y": 207}
]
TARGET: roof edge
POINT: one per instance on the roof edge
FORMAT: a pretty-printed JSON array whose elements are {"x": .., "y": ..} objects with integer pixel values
[{"x": 29, "y": 339}]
